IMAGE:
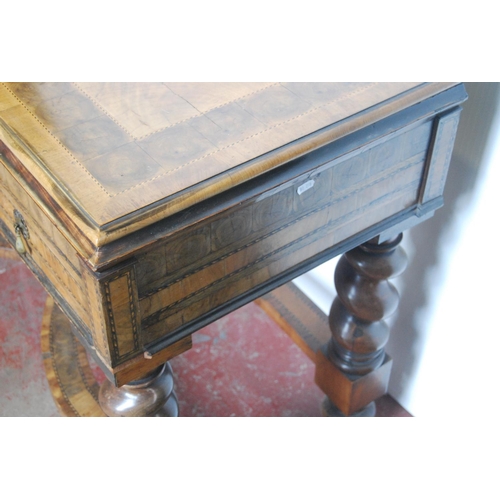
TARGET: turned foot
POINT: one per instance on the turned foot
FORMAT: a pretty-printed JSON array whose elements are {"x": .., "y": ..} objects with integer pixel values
[{"x": 151, "y": 396}]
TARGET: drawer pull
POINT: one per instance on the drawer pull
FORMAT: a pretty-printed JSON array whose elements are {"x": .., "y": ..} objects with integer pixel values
[
  {"x": 22, "y": 233},
  {"x": 19, "y": 242}
]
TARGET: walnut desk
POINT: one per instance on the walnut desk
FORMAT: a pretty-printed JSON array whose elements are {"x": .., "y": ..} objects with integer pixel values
[{"x": 149, "y": 210}]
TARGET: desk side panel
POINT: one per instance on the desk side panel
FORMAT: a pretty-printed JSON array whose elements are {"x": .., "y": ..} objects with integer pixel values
[{"x": 242, "y": 248}]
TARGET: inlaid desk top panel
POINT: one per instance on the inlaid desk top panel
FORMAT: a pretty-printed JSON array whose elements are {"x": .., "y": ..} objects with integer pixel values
[{"x": 121, "y": 156}]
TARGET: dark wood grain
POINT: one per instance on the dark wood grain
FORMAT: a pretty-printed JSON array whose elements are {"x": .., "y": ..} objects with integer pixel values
[
  {"x": 353, "y": 369},
  {"x": 282, "y": 229},
  {"x": 152, "y": 395},
  {"x": 155, "y": 209},
  {"x": 127, "y": 155}
]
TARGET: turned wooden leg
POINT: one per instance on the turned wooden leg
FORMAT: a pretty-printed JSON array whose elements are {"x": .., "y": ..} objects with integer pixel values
[
  {"x": 151, "y": 396},
  {"x": 353, "y": 369}
]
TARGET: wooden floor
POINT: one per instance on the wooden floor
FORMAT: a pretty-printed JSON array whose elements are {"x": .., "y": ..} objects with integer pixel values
[{"x": 242, "y": 365}]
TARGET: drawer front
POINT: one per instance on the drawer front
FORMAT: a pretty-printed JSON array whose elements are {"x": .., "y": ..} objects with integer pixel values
[
  {"x": 53, "y": 260},
  {"x": 242, "y": 248}
]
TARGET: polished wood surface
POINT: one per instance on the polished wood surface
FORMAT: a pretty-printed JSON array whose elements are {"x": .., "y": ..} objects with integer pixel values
[
  {"x": 353, "y": 368},
  {"x": 365, "y": 298},
  {"x": 150, "y": 396},
  {"x": 353, "y": 162},
  {"x": 126, "y": 155}
]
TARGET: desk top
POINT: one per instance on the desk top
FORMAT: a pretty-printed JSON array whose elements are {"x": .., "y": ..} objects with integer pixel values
[{"x": 120, "y": 156}]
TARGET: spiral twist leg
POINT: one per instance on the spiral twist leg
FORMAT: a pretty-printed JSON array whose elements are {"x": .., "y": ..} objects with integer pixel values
[{"x": 353, "y": 369}]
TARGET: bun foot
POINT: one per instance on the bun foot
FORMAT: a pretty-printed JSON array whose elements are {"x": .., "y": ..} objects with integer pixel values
[{"x": 151, "y": 396}]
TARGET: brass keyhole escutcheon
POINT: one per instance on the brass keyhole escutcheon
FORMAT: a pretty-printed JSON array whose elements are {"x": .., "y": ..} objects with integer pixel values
[{"x": 22, "y": 233}]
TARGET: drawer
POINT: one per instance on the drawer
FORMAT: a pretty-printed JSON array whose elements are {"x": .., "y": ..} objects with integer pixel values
[
  {"x": 102, "y": 306},
  {"x": 49, "y": 255}
]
